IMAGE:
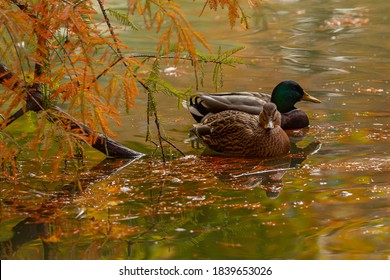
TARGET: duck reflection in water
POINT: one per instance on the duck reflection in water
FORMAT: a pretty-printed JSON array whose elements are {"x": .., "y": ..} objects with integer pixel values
[{"x": 268, "y": 176}]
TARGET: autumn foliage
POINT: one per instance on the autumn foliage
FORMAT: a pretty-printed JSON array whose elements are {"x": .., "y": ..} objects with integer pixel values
[{"x": 71, "y": 53}]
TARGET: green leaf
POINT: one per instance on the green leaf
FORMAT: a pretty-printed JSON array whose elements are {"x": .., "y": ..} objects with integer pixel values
[
  {"x": 122, "y": 18},
  {"x": 222, "y": 58}
]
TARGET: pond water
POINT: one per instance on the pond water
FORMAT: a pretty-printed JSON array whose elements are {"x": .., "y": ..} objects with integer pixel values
[{"x": 329, "y": 199}]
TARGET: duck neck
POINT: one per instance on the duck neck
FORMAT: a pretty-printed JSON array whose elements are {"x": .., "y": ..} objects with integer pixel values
[{"x": 282, "y": 104}]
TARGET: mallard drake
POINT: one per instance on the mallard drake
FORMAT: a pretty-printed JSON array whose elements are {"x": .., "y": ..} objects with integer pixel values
[
  {"x": 239, "y": 133},
  {"x": 284, "y": 95}
]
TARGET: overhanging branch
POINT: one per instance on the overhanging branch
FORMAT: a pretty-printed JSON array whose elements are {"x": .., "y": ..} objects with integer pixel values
[{"x": 34, "y": 102}]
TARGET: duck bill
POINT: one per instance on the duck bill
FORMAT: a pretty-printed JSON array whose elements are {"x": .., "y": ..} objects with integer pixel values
[
  {"x": 308, "y": 97},
  {"x": 270, "y": 125}
]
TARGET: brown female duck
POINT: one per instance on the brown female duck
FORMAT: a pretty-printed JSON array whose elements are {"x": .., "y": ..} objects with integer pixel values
[
  {"x": 241, "y": 134},
  {"x": 284, "y": 95}
]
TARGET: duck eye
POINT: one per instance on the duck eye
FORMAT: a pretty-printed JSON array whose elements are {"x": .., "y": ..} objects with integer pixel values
[{"x": 263, "y": 117}]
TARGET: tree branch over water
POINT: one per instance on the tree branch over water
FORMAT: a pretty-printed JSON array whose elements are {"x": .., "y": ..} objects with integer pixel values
[
  {"x": 56, "y": 115},
  {"x": 60, "y": 52}
]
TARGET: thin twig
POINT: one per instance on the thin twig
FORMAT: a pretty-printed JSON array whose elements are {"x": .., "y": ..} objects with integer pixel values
[
  {"x": 157, "y": 122},
  {"x": 144, "y": 85},
  {"x": 263, "y": 172},
  {"x": 176, "y": 148}
]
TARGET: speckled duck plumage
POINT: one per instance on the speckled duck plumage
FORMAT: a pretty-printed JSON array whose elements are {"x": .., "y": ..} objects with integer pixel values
[{"x": 237, "y": 133}]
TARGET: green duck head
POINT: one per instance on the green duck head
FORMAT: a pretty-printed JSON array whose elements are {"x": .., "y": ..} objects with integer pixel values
[{"x": 287, "y": 93}]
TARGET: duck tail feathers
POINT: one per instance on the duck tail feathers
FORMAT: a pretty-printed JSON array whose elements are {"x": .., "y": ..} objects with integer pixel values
[{"x": 197, "y": 109}]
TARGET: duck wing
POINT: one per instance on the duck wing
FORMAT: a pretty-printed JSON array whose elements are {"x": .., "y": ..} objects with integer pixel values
[{"x": 249, "y": 102}]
